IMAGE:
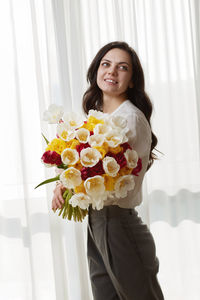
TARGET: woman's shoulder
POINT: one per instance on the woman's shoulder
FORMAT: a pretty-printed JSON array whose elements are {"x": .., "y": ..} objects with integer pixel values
[{"x": 129, "y": 110}]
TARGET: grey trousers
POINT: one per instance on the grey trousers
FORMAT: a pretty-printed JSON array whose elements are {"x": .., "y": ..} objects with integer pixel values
[{"x": 121, "y": 256}]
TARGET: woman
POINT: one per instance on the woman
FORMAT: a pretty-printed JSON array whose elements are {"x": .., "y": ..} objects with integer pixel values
[{"x": 121, "y": 250}]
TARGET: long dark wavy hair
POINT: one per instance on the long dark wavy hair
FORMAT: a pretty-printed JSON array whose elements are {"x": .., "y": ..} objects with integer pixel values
[{"x": 93, "y": 97}]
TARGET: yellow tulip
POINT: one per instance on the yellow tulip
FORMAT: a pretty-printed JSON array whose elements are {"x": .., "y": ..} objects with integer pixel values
[{"x": 57, "y": 145}]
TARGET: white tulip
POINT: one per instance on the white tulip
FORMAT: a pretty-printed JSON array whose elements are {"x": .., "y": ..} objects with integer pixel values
[
  {"x": 94, "y": 186},
  {"x": 82, "y": 200},
  {"x": 97, "y": 204},
  {"x": 110, "y": 165},
  {"x": 53, "y": 114},
  {"x": 114, "y": 138},
  {"x": 69, "y": 156},
  {"x": 82, "y": 135},
  {"x": 97, "y": 114},
  {"x": 124, "y": 184},
  {"x": 71, "y": 178},
  {"x": 96, "y": 140},
  {"x": 131, "y": 157},
  {"x": 65, "y": 132},
  {"x": 98, "y": 201},
  {"x": 118, "y": 121},
  {"x": 89, "y": 157},
  {"x": 102, "y": 129},
  {"x": 74, "y": 120}
]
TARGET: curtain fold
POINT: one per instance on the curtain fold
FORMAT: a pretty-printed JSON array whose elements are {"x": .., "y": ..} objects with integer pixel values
[
  {"x": 45, "y": 50},
  {"x": 194, "y": 11}
]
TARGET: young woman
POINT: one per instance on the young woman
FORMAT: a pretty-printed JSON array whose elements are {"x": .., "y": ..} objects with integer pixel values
[{"x": 121, "y": 250}]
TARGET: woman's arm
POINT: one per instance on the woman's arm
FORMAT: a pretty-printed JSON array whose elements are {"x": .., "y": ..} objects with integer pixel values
[{"x": 140, "y": 141}]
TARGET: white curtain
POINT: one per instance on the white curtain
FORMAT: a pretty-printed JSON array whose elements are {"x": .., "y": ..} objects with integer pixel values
[{"x": 45, "y": 50}]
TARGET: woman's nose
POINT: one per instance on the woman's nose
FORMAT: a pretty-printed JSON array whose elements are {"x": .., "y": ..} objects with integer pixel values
[{"x": 112, "y": 70}]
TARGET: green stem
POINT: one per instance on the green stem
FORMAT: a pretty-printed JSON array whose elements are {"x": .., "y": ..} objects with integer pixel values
[
  {"x": 79, "y": 214},
  {"x": 65, "y": 209},
  {"x": 61, "y": 210},
  {"x": 68, "y": 211},
  {"x": 65, "y": 194}
]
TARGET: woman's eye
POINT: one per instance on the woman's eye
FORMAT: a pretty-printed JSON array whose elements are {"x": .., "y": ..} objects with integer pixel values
[
  {"x": 123, "y": 68},
  {"x": 106, "y": 64}
]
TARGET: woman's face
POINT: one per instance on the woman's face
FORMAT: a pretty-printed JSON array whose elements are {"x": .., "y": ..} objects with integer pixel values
[{"x": 114, "y": 74}]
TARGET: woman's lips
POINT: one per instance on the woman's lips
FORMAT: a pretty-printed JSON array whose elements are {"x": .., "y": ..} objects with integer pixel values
[{"x": 110, "y": 81}]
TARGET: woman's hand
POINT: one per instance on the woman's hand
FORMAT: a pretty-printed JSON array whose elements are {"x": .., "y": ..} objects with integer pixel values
[{"x": 58, "y": 200}]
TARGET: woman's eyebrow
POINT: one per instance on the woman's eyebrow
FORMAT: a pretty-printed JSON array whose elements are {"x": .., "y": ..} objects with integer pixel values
[{"x": 122, "y": 62}]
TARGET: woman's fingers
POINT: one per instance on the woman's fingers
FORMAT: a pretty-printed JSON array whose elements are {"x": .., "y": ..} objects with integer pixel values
[
  {"x": 59, "y": 196},
  {"x": 54, "y": 203},
  {"x": 57, "y": 203},
  {"x": 58, "y": 200}
]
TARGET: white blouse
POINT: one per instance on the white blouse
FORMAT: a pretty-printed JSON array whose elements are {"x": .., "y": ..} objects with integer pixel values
[{"x": 140, "y": 140}]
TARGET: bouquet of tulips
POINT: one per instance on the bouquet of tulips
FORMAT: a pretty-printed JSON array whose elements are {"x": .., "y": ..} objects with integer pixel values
[{"x": 93, "y": 159}]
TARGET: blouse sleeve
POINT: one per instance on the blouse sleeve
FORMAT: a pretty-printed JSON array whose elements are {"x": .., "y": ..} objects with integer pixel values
[
  {"x": 140, "y": 140},
  {"x": 139, "y": 134}
]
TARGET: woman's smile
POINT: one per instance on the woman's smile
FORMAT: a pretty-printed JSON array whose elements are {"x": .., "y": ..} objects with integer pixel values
[{"x": 110, "y": 81}]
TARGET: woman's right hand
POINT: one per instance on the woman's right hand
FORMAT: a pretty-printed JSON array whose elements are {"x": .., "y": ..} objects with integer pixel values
[{"x": 58, "y": 200}]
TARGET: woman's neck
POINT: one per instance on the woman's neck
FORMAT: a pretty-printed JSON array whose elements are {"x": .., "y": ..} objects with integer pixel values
[{"x": 110, "y": 104}]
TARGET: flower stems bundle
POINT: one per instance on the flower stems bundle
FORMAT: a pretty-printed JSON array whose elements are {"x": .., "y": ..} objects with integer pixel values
[{"x": 68, "y": 211}]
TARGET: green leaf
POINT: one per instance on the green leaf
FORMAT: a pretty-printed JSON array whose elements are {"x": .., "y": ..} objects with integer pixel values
[
  {"x": 45, "y": 139},
  {"x": 62, "y": 166},
  {"x": 48, "y": 180}
]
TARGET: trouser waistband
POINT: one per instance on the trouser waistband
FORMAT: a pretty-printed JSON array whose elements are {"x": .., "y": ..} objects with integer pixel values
[{"x": 111, "y": 211}]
